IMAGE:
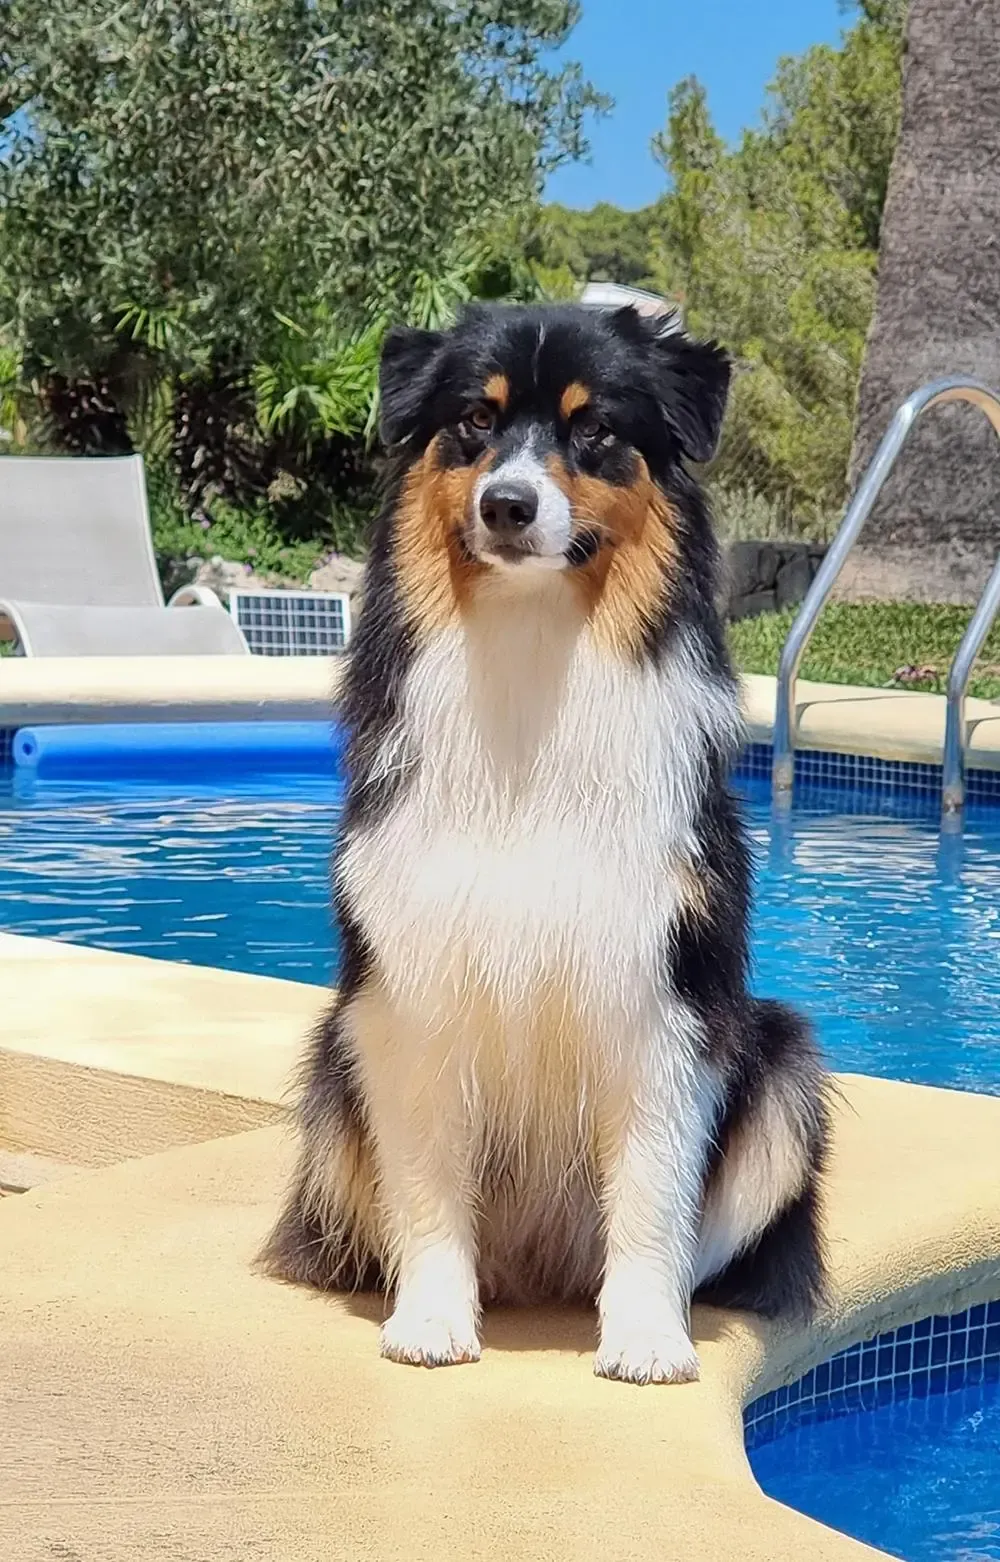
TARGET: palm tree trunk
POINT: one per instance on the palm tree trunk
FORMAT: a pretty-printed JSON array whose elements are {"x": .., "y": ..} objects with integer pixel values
[{"x": 935, "y": 532}]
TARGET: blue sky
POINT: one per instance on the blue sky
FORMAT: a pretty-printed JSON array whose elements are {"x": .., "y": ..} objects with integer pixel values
[{"x": 635, "y": 50}]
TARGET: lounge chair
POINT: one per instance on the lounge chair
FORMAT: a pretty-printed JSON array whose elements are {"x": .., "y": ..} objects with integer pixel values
[{"x": 77, "y": 571}]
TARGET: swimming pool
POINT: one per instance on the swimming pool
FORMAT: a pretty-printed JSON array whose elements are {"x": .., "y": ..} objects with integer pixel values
[
  {"x": 895, "y": 1440},
  {"x": 887, "y": 936}
]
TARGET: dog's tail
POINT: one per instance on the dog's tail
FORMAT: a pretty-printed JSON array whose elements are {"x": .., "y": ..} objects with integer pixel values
[{"x": 761, "y": 1246}]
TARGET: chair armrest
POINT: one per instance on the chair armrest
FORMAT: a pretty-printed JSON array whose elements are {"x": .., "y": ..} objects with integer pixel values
[{"x": 195, "y": 596}]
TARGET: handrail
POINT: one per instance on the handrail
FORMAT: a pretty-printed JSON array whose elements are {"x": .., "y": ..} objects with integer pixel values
[
  {"x": 955, "y": 732},
  {"x": 953, "y": 388}
]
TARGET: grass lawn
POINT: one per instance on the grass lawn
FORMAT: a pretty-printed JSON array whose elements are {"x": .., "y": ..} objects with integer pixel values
[{"x": 867, "y": 643}]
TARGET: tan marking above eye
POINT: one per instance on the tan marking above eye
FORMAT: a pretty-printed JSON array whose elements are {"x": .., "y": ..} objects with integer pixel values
[
  {"x": 497, "y": 390},
  {"x": 573, "y": 399}
]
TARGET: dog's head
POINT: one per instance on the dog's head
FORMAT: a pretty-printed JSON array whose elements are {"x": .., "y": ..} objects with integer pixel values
[{"x": 547, "y": 439}]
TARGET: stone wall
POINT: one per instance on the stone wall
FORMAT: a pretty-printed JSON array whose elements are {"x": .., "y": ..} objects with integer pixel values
[{"x": 763, "y": 577}]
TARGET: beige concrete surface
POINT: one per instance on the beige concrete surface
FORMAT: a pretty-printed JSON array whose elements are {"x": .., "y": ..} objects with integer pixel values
[
  {"x": 104, "y": 1056},
  {"x": 55, "y": 690},
  {"x": 888, "y": 723},
  {"x": 161, "y": 1403},
  {"x": 22, "y": 1169}
]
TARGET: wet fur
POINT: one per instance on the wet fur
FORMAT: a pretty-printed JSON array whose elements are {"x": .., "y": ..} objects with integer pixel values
[{"x": 543, "y": 1074}]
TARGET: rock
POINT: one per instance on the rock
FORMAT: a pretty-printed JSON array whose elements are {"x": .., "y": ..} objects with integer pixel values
[
  {"x": 743, "y": 569},
  {"x": 793, "y": 580},
  {"x": 752, "y": 606},
  {"x": 340, "y": 573},
  {"x": 768, "y": 564},
  {"x": 225, "y": 575},
  {"x": 763, "y": 576}
]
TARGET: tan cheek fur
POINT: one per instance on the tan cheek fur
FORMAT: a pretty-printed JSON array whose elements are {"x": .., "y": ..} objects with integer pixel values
[
  {"x": 628, "y": 581},
  {"x": 436, "y": 575}
]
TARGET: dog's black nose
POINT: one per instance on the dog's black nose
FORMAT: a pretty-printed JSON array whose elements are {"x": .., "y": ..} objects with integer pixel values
[{"x": 508, "y": 506}]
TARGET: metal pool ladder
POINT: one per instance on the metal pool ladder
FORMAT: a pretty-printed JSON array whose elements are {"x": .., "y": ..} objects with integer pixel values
[{"x": 785, "y": 718}]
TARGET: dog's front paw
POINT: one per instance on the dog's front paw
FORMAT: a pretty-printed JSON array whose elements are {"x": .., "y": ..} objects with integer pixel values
[
  {"x": 420, "y": 1339},
  {"x": 646, "y": 1354}
]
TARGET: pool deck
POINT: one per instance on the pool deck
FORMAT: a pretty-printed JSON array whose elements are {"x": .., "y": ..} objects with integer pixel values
[
  {"x": 887, "y": 723},
  {"x": 154, "y": 1387}
]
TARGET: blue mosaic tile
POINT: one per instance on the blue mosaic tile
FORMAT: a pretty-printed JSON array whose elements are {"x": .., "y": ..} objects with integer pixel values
[
  {"x": 909, "y": 1363},
  {"x": 6, "y": 747},
  {"x": 819, "y": 768}
]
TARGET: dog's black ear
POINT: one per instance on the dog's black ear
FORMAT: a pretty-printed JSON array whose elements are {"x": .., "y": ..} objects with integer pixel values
[
  {"x": 407, "y": 373},
  {"x": 690, "y": 379},
  {"x": 691, "y": 382}
]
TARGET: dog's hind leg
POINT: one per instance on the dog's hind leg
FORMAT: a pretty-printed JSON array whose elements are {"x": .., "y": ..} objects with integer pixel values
[
  {"x": 759, "y": 1246},
  {"x": 328, "y": 1232}
]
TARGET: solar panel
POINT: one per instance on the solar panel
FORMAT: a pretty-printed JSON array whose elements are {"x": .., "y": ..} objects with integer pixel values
[{"x": 293, "y": 623}]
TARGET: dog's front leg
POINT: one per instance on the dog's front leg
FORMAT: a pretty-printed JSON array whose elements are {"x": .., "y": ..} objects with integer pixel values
[
  {"x": 653, "y": 1147},
  {"x": 423, "y": 1145}
]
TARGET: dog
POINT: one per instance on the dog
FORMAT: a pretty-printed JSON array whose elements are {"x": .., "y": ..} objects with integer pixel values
[{"x": 543, "y": 1075}]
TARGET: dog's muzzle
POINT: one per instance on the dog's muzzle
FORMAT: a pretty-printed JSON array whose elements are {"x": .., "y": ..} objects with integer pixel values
[
  {"x": 520, "y": 515},
  {"x": 507, "y": 508}
]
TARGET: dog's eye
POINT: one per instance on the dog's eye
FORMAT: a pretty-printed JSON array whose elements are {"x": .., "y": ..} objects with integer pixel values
[
  {"x": 478, "y": 420},
  {"x": 590, "y": 428}
]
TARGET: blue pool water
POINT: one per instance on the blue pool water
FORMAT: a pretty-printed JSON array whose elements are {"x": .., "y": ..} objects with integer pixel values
[
  {"x": 918, "y": 1478},
  {"x": 888, "y": 939}
]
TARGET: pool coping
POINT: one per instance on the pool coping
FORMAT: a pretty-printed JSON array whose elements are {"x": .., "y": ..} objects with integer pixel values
[
  {"x": 152, "y": 1055},
  {"x": 889, "y": 724},
  {"x": 105, "y": 1056}
]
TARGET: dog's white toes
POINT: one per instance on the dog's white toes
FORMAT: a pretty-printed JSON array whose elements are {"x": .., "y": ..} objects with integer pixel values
[
  {"x": 423, "y": 1341},
  {"x": 646, "y": 1356}
]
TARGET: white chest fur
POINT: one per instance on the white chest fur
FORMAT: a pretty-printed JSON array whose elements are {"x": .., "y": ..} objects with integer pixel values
[{"x": 538, "y": 847}]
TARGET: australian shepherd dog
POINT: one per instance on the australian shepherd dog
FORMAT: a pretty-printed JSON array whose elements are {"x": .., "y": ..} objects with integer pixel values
[{"x": 543, "y": 1075}]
